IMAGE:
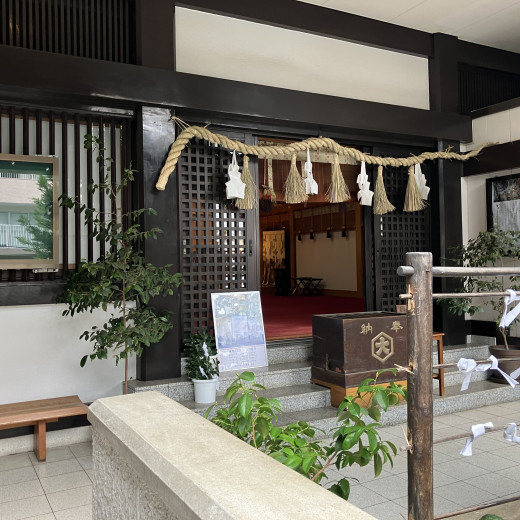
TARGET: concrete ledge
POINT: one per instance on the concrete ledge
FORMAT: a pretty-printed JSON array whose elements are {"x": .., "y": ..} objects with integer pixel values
[{"x": 155, "y": 459}]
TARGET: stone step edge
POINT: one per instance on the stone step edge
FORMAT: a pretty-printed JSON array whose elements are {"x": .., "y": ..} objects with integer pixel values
[
  {"x": 302, "y": 391},
  {"x": 398, "y": 414}
]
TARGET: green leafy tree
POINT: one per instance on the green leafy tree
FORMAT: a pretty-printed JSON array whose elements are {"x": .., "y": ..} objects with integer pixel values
[
  {"x": 489, "y": 248},
  {"x": 121, "y": 278},
  {"x": 41, "y": 240},
  {"x": 356, "y": 440}
]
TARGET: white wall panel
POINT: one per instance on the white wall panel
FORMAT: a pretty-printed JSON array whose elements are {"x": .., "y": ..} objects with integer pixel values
[
  {"x": 41, "y": 351},
  {"x": 334, "y": 260},
  {"x": 228, "y": 48}
]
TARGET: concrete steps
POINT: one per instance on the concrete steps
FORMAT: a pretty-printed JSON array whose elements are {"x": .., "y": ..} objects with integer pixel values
[{"x": 287, "y": 378}]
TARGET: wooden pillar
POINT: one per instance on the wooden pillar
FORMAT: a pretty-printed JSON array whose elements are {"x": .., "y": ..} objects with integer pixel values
[
  {"x": 155, "y": 134},
  {"x": 420, "y": 388},
  {"x": 446, "y": 205},
  {"x": 155, "y": 33}
]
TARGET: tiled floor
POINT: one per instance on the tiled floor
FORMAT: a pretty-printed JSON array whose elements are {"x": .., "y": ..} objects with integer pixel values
[
  {"x": 61, "y": 487},
  {"x": 58, "y": 489}
]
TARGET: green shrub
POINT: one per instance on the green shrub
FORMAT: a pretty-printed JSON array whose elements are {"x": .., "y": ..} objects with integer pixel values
[{"x": 251, "y": 417}]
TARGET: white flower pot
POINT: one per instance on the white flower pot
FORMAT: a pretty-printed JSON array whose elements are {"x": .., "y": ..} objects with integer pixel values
[{"x": 205, "y": 390}]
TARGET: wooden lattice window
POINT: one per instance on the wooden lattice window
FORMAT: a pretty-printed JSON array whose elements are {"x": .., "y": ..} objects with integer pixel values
[
  {"x": 215, "y": 243},
  {"x": 85, "y": 28},
  {"x": 28, "y": 131}
]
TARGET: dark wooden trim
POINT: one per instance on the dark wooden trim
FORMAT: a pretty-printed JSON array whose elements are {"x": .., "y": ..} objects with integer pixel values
[
  {"x": 155, "y": 36},
  {"x": 443, "y": 74},
  {"x": 488, "y": 57},
  {"x": 481, "y": 328},
  {"x": 118, "y": 83},
  {"x": 494, "y": 159},
  {"x": 446, "y": 229},
  {"x": 498, "y": 107},
  {"x": 300, "y": 16},
  {"x": 30, "y": 293}
]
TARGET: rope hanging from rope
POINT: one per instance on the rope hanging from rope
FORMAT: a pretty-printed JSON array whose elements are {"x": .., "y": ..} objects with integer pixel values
[{"x": 312, "y": 143}]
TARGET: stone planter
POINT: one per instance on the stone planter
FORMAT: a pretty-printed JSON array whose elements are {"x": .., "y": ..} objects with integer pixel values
[{"x": 505, "y": 364}]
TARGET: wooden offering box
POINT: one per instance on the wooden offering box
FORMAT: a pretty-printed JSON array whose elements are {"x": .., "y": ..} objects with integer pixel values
[{"x": 348, "y": 348}]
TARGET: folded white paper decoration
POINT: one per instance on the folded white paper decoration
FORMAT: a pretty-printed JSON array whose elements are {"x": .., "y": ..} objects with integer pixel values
[
  {"x": 311, "y": 186},
  {"x": 477, "y": 430},
  {"x": 420, "y": 180},
  {"x": 235, "y": 188},
  {"x": 467, "y": 366},
  {"x": 364, "y": 194}
]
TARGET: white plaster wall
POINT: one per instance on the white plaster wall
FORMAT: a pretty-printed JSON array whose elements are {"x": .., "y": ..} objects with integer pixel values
[
  {"x": 333, "y": 260},
  {"x": 502, "y": 127},
  {"x": 222, "y": 47},
  {"x": 41, "y": 351}
]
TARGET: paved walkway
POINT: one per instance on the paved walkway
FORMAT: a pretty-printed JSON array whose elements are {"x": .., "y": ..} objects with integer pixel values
[
  {"x": 58, "y": 489},
  {"x": 61, "y": 487}
]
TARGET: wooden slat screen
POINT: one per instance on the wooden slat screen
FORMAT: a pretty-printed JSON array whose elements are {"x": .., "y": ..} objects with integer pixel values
[
  {"x": 214, "y": 255},
  {"x": 98, "y": 29},
  {"x": 395, "y": 234},
  {"x": 31, "y": 132}
]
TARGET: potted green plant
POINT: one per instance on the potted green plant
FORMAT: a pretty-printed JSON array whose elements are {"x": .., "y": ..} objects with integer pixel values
[
  {"x": 202, "y": 365},
  {"x": 489, "y": 249},
  {"x": 120, "y": 282}
]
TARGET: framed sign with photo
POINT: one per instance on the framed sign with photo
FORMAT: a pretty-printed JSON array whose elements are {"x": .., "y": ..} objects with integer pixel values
[
  {"x": 239, "y": 330},
  {"x": 503, "y": 202}
]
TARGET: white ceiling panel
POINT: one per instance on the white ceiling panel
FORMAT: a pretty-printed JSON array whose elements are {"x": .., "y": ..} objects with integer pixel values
[
  {"x": 377, "y": 9},
  {"x": 487, "y": 22},
  {"x": 500, "y": 30}
]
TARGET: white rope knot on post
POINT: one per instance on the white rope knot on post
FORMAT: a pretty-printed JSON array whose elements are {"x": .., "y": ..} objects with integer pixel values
[
  {"x": 510, "y": 433},
  {"x": 477, "y": 430},
  {"x": 467, "y": 366},
  {"x": 510, "y": 315}
]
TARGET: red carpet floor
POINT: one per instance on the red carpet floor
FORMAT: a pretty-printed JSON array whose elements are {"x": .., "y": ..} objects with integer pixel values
[{"x": 291, "y": 316}]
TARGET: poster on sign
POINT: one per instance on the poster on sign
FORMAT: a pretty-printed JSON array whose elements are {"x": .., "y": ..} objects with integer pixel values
[{"x": 239, "y": 330}]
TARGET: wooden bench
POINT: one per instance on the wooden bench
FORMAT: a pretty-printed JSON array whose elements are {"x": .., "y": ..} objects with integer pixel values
[{"x": 39, "y": 413}]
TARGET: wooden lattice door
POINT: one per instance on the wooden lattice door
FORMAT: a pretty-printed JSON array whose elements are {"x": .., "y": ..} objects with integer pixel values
[
  {"x": 396, "y": 234},
  {"x": 219, "y": 251}
]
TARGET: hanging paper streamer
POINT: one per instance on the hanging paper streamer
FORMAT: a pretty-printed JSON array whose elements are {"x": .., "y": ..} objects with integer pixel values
[
  {"x": 412, "y": 200},
  {"x": 294, "y": 185},
  {"x": 420, "y": 179},
  {"x": 364, "y": 194},
  {"x": 510, "y": 433},
  {"x": 381, "y": 203},
  {"x": 338, "y": 189},
  {"x": 234, "y": 187},
  {"x": 467, "y": 366},
  {"x": 477, "y": 430},
  {"x": 311, "y": 186},
  {"x": 250, "y": 199}
]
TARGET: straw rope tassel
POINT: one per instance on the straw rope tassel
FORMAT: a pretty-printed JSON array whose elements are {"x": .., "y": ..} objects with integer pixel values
[
  {"x": 294, "y": 185},
  {"x": 250, "y": 198},
  {"x": 413, "y": 200},
  {"x": 381, "y": 203},
  {"x": 338, "y": 189},
  {"x": 270, "y": 182}
]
